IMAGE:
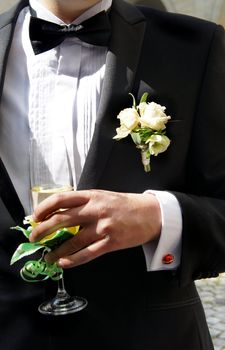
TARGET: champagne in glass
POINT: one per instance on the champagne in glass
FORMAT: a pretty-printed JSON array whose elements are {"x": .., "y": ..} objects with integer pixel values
[{"x": 43, "y": 186}]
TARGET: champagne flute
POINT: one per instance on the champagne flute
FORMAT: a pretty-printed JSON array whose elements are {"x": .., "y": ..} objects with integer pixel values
[{"x": 45, "y": 181}]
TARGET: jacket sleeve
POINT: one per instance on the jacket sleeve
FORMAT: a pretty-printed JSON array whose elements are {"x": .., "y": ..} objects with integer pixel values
[{"x": 203, "y": 206}]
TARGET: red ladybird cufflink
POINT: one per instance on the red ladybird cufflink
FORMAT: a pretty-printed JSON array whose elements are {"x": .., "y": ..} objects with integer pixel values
[{"x": 168, "y": 259}]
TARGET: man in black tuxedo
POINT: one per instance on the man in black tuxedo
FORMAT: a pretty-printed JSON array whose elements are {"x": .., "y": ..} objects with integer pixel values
[{"x": 180, "y": 62}]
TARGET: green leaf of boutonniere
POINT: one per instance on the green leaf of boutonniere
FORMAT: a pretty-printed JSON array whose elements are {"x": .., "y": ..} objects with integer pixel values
[
  {"x": 144, "y": 97},
  {"x": 134, "y": 101}
]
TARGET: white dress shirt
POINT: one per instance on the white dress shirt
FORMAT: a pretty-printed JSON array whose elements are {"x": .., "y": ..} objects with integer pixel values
[{"x": 50, "y": 101}]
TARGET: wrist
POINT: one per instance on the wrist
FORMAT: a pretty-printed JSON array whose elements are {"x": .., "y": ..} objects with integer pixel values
[{"x": 155, "y": 215}]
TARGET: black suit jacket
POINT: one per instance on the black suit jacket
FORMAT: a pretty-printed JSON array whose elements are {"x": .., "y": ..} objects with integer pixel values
[{"x": 180, "y": 61}]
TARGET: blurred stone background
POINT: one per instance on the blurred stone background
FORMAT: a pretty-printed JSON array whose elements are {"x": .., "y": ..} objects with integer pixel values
[
  {"x": 213, "y": 10},
  {"x": 212, "y": 291},
  {"x": 5, "y": 4}
]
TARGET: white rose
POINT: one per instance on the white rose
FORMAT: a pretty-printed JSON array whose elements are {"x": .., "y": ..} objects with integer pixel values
[
  {"x": 154, "y": 116},
  {"x": 141, "y": 107},
  {"x": 121, "y": 132},
  {"x": 158, "y": 144},
  {"x": 129, "y": 118}
]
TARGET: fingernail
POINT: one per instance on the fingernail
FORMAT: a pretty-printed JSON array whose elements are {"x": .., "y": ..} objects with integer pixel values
[
  {"x": 31, "y": 239},
  {"x": 60, "y": 262},
  {"x": 33, "y": 217}
]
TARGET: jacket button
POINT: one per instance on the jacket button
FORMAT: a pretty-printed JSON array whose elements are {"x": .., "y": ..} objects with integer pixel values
[{"x": 168, "y": 259}]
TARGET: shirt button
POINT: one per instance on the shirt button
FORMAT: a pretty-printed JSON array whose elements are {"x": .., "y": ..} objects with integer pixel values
[{"x": 168, "y": 259}]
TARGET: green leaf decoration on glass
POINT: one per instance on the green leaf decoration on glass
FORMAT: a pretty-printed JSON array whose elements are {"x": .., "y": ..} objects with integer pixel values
[
  {"x": 56, "y": 240},
  {"x": 40, "y": 270},
  {"x": 26, "y": 232},
  {"x": 25, "y": 249}
]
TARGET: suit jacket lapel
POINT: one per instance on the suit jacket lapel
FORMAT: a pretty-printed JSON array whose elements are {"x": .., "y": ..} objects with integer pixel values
[
  {"x": 128, "y": 28},
  {"x": 7, "y": 191}
]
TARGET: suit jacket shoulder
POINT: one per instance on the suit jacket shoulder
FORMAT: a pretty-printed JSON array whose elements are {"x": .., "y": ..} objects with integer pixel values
[{"x": 179, "y": 25}]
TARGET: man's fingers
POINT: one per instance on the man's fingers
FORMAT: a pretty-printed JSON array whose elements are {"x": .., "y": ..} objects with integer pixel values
[
  {"x": 87, "y": 254},
  {"x": 61, "y": 200},
  {"x": 61, "y": 219},
  {"x": 81, "y": 240}
]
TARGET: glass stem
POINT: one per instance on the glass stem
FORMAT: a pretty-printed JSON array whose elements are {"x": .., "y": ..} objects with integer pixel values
[{"x": 61, "y": 292}]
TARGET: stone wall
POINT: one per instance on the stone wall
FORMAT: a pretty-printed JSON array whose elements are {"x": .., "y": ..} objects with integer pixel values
[
  {"x": 5, "y": 4},
  {"x": 213, "y": 10}
]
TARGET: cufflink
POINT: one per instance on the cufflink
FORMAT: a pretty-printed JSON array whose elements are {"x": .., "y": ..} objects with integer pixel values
[{"x": 168, "y": 259}]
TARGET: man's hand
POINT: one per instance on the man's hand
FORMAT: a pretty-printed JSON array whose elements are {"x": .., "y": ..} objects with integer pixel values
[{"x": 110, "y": 221}]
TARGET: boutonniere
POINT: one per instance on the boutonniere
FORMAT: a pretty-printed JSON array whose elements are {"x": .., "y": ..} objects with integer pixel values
[{"x": 146, "y": 124}]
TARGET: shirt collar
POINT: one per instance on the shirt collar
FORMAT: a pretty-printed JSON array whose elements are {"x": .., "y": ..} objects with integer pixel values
[{"x": 43, "y": 13}]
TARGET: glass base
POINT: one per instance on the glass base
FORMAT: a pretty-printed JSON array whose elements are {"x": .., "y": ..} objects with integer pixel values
[{"x": 62, "y": 305}]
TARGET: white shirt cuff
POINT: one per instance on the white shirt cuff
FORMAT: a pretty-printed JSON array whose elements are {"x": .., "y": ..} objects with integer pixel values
[{"x": 157, "y": 253}]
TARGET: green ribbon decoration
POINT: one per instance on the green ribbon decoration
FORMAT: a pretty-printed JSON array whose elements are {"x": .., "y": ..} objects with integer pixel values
[
  {"x": 41, "y": 270},
  {"x": 36, "y": 271}
]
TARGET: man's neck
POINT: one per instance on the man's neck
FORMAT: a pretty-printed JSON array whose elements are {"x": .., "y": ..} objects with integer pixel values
[{"x": 68, "y": 10}]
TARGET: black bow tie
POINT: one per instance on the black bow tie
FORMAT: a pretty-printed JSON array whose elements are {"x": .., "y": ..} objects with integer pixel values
[{"x": 45, "y": 35}]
